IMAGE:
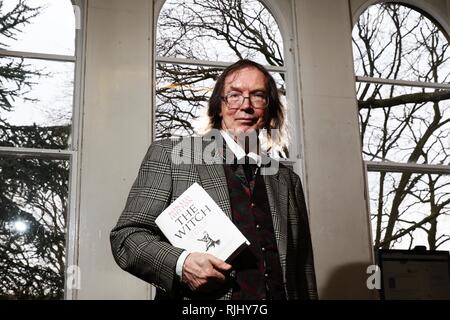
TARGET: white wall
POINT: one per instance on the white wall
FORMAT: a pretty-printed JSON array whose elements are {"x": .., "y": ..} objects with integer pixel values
[
  {"x": 116, "y": 134},
  {"x": 334, "y": 171}
]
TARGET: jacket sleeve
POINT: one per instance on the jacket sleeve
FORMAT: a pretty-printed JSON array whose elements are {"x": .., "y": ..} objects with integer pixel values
[
  {"x": 307, "y": 277},
  {"x": 136, "y": 242}
]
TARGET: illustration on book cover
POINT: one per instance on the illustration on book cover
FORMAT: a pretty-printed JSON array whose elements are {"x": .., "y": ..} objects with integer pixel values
[{"x": 209, "y": 242}]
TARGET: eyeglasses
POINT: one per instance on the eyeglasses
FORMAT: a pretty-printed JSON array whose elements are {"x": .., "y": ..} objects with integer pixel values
[{"x": 234, "y": 100}]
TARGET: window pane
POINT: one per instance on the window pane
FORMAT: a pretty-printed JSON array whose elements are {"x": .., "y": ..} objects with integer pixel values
[
  {"x": 33, "y": 213},
  {"x": 36, "y": 111},
  {"x": 219, "y": 31},
  {"x": 396, "y": 42},
  {"x": 402, "y": 124},
  {"x": 182, "y": 94},
  {"x": 410, "y": 209},
  {"x": 49, "y": 29},
  {"x": 181, "y": 97}
]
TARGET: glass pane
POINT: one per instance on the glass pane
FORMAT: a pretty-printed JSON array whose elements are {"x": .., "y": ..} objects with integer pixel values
[
  {"x": 403, "y": 124},
  {"x": 397, "y": 42},
  {"x": 49, "y": 26},
  {"x": 36, "y": 109},
  {"x": 33, "y": 215},
  {"x": 219, "y": 31},
  {"x": 182, "y": 94},
  {"x": 410, "y": 209}
]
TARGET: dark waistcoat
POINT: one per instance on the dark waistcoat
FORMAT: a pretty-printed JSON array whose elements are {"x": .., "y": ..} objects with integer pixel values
[{"x": 258, "y": 273}]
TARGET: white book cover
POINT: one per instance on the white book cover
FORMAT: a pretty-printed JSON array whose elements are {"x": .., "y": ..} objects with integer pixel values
[{"x": 196, "y": 223}]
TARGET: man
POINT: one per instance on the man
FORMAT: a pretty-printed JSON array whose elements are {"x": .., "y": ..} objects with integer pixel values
[{"x": 268, "y": 206}]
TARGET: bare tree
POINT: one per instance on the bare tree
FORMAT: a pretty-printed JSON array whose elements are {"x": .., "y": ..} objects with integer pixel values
[
  {"x": 404, "y": 124},
  {"x": 213, "y": 30}
]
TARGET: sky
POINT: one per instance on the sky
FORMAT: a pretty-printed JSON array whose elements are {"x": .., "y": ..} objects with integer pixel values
[{"x": 51, "y": 32}]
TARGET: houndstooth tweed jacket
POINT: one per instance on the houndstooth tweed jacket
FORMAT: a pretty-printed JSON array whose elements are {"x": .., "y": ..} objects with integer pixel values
[{"x": 140, "y": 248}]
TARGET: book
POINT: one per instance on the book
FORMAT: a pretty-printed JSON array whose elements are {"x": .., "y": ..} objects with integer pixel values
[{"x": 196, "y": 223}]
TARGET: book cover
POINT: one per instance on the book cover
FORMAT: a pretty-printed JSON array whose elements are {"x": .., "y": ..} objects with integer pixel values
[{"x": 196, "y": 223}]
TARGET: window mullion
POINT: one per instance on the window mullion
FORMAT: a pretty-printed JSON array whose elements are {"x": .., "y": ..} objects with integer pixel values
[
  {"x": 208, "y": 63},
  {"x": 36, "y": 153},
  {"x": 407, "y": 167},
  {"x": 403, "y": 82},
  {"x": 39, "y": 56}
]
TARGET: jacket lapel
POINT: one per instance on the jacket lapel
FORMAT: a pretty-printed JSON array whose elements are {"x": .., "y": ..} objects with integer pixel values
[
  {"x": 213, "y": 180},
  {"x": 212, "y": 175}
]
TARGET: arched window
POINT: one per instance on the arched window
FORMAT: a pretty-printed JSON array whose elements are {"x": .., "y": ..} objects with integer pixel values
[
  {"x": 37, "y": 144},
  {"x": 196, "y": 40},
  {"x": 402, "y": 63}
]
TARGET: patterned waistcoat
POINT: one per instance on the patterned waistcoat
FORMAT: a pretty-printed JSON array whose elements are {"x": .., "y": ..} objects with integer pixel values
[{"x": 258, "y": 273}]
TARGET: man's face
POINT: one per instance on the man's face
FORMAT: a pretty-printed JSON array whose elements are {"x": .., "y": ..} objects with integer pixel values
[{"x": 245, "y": 117}]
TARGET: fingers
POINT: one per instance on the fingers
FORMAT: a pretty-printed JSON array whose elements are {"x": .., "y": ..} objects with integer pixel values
[
  {"x": 204, "y": 272},
  {"x": 219, "y": 264},
  {"x": 216, "y": 275}
]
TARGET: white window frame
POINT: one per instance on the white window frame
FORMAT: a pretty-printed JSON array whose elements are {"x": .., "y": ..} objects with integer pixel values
[
  {"x": 386, "y": 166},
  {"x": 72, "y": 154}
]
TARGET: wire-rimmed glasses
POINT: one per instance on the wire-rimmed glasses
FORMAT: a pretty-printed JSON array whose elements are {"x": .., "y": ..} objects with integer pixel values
[{"x": 234, "y": 100}]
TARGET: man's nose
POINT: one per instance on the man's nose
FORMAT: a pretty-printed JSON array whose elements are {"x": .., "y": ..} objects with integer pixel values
[{"x": 247, "y": 103}]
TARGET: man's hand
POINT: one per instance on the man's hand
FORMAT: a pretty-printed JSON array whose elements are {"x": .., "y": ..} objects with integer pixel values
[{"x": 202, "y": 272}]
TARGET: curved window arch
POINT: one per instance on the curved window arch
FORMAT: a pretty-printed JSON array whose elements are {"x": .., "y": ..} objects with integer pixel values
[
  {"x": 195, "y": 41},
  {"x": 426, "y": 8},
  {"x": 402, "y": 66},
  {"x": 38, "y": 144}
]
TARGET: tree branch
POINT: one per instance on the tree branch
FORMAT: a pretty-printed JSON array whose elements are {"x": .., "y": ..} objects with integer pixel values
[{"x": 421, "y": 97}]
